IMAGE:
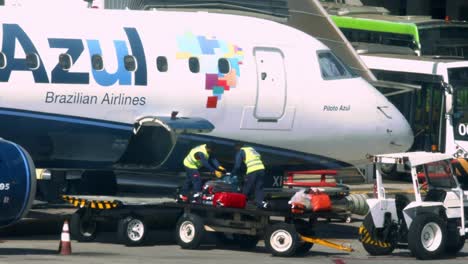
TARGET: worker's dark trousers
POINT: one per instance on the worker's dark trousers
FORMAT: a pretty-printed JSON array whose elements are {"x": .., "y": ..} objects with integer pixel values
[
  {"x": 192, "y": 179},
  {"x": 254, "y": 181}
]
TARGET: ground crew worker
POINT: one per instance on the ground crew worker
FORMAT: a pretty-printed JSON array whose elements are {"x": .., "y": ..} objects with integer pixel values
[
  {"x": 255, "y": 172},
  {"x": 198, "y": 157}
]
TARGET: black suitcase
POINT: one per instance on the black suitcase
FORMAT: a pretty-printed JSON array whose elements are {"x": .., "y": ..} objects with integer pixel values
[
  {"x": 278, "y": 205},
  {"x": 216, "y": 186}
]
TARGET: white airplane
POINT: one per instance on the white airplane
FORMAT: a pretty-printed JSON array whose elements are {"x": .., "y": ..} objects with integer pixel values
[{"x": 107, "y": 89}]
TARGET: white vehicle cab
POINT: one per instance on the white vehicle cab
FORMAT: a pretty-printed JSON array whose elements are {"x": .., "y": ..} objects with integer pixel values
[{"x": 424, "y": 224}]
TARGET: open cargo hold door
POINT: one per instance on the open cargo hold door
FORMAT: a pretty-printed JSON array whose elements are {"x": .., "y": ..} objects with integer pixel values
[{"x": 154, "y": 139}]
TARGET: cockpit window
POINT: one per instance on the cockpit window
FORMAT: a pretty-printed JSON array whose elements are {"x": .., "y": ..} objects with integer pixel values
[{"x": 332, "y": 68}]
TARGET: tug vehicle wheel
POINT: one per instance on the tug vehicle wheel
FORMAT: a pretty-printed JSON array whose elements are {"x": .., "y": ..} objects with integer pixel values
[
  {"x": 427, "y": 236},
  {"x": 369, "y": 237}
]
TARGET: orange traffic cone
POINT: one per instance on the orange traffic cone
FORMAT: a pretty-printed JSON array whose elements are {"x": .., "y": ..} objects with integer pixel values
[{"x": 65, "y": 243}]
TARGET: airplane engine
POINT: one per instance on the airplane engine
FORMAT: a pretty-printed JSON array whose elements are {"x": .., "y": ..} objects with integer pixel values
[{"x": 17, "y": 182}]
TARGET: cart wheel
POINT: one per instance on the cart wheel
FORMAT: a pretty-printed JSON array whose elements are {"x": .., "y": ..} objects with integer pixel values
[
  {"x": 281, "y": 239},
  {"x": 189, "y": 231},
  {"x": 427, "y": 236},
  {"x": 369, "y": 237},
  {"x": 456, "y": 244},
  {"x": 131, "y": 231},
  {"x": 83, "y": 230},
  {"x": 306, "y": 229},
  {"x": 303, "y": 248}
]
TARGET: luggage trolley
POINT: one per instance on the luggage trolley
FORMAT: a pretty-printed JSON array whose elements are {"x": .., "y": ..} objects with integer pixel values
[
  {"x": 285, "y": 234},
  {"x": 133, "y": 215}
]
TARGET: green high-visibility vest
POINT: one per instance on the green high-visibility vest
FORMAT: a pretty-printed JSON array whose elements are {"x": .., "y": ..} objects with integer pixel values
[
  {"x": 191, "y": 162},
  {"x": 252, "y": 160}
]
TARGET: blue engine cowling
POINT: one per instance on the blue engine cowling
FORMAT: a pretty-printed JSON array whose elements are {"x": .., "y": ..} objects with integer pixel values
[{"x": 17, "y": 182}]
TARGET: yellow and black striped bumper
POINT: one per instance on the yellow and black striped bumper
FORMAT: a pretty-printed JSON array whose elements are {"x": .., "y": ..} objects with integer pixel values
[
  {"x": 100, "y": 205},
  {"x": 365, "y": 237}
]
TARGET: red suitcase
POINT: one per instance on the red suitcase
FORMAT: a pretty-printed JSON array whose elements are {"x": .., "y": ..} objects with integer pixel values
[
  {"x": 320, "y": 202},
  {"x": 229, "y": 199}
]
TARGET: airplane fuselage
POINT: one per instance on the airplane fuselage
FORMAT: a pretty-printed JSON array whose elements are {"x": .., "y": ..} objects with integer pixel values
[{"x": 73, "y": 85}]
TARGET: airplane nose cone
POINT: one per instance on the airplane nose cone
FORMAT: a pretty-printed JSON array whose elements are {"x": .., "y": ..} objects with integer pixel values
[
  {"x": 404, "y": 136},
  {"x": 398, "y": 130}
]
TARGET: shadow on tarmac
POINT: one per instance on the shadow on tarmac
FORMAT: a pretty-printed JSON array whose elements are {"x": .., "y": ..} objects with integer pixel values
[
  {"x": 38, "y": 222},
  {"x": 47, "y": 252},
  {"x": 153, "y": 238},
  {"x": 31, "y": 229},
  {"x": 405, "y": 254},
  {"x": 336, "y": 230},
  {"x": 210, "y": 242},
  {"x": 26, "y": 251}
]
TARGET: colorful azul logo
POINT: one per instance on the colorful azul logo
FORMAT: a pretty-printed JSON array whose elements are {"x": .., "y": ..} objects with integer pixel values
[{"x": 210, "y": 50}]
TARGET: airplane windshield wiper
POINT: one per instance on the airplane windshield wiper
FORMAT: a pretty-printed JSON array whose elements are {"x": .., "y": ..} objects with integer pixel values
[{"x": 383, "y": 112}]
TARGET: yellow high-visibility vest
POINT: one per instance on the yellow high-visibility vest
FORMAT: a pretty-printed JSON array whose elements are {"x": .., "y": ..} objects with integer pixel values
[
  {"x": 252, "y": 160},
  {"x": 191, "y": 162}
]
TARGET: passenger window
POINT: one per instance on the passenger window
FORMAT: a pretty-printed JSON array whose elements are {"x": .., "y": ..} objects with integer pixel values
[
  {"x": 130, "y": 63},
  {"x": 194, "y": 65},
  {"x": 65, "y": 61},
  {"x": 32, "y": 61},
  {"x": 3, "y": 60},
  {"x": 97, "y": 62},
  {"x": 332, "y": 68},
  {"x": 161, "y": 63},
  {"x": 223, "y": 66}
]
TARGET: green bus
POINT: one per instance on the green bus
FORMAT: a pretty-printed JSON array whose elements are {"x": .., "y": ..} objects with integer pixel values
[{"x": 423, "y": 35}]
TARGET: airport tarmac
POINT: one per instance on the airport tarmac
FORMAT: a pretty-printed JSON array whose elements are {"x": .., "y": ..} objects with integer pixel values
[{"x": 36, "y": 240}]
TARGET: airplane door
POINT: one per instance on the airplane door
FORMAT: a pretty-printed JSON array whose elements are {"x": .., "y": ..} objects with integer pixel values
[{"x": 271, "y": 84}]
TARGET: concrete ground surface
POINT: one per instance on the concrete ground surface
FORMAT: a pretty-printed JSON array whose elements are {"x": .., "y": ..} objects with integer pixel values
[{"x": 36, "y": 240}]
